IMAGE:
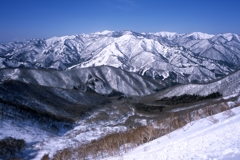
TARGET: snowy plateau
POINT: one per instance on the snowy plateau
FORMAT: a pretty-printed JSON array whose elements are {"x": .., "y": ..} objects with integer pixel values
[{"x": 121, "y": 95}]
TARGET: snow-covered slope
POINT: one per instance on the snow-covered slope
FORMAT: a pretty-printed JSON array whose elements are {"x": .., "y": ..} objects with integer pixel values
[
  {"x": 163, "y": 55},
  {"x": 54, "y": 103},
  {"x": 229, "y": 85},
  {"x": 19, "y": 100},
  {"x": 104, "y": 80},
  {"x": 202, "y": 140}
]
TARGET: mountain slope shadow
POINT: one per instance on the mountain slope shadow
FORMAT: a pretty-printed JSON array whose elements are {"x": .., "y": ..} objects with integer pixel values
[{"x": 45, "y": 104}]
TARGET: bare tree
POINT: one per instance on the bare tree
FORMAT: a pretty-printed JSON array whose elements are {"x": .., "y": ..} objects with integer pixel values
[
  {"x": 228, "y": 112},
  {"x": 209, "y": 111}
]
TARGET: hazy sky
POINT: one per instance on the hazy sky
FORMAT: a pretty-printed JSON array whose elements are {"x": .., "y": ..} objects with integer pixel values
[{"x": 24, "y": 19}]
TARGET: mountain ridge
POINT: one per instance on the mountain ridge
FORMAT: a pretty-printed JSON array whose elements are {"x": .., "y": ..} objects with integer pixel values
[
  {"x": 84, "y": 88},
  {"x": 104, "y": 80},
  {"x": 227, "y": 86},
  {"x": 182, "y": 58}
]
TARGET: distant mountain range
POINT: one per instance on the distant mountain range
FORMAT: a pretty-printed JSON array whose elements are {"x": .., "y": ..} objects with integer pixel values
[{"x": 179, "y": 58}]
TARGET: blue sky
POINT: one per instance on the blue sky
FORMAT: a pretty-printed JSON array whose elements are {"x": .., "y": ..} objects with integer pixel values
[{"x": 24, "y": 19}]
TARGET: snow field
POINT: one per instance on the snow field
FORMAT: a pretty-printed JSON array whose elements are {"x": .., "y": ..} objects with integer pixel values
[{"x": 202, "y": 140}]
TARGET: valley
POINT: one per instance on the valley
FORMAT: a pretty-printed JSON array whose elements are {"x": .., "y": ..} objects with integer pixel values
[{"x": 99, "y": 95}]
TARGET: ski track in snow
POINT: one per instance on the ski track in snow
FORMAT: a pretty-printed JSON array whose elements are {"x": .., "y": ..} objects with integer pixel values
[{"x": 201, "y": 140}]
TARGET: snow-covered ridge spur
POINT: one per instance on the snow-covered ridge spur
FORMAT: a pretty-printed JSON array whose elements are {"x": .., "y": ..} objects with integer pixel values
[
  {"x": 227, "y": 86},
  {"x": 104, "y": 80},
  {"x": 181, "y": 58}
]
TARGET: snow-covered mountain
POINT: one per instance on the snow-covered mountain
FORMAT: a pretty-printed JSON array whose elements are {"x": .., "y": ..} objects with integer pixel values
[
  {"x": 179, "y": 57},
  {"x": 26, "y": 110},
  {"x": 49, "y": 91},
  {"x": 53, "y": 103},
  {"x": 227, "y": 86},
  {"x": 103, "y": 80}
]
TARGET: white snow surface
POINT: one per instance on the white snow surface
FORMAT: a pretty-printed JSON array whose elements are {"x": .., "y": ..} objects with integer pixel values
[
  {"x": 199, "y": 140},
  {"x": 202, "y": 140},
  {"x": 200, "y": 35},
  {"x": 153, "y": 53}
]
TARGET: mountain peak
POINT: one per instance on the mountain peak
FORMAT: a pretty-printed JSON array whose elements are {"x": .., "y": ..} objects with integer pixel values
[
  {"x": 178, "y": 57},
  {"x": 165, "y": 34},
  {"x": 200, "y": 35},
  {"x": 105, "y": 32}
]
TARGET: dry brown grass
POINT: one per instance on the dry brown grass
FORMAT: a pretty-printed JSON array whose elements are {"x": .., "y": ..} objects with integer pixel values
[
  {"x": 45, "y": 157},
  {"x": 227, "y": 110},
  {"x": 209, "y": 112},
  {"x": 64, "y": 154}
]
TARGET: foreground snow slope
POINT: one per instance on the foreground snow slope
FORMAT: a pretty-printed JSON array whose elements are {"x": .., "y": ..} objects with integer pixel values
[{"x": 201, "y": 140}]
